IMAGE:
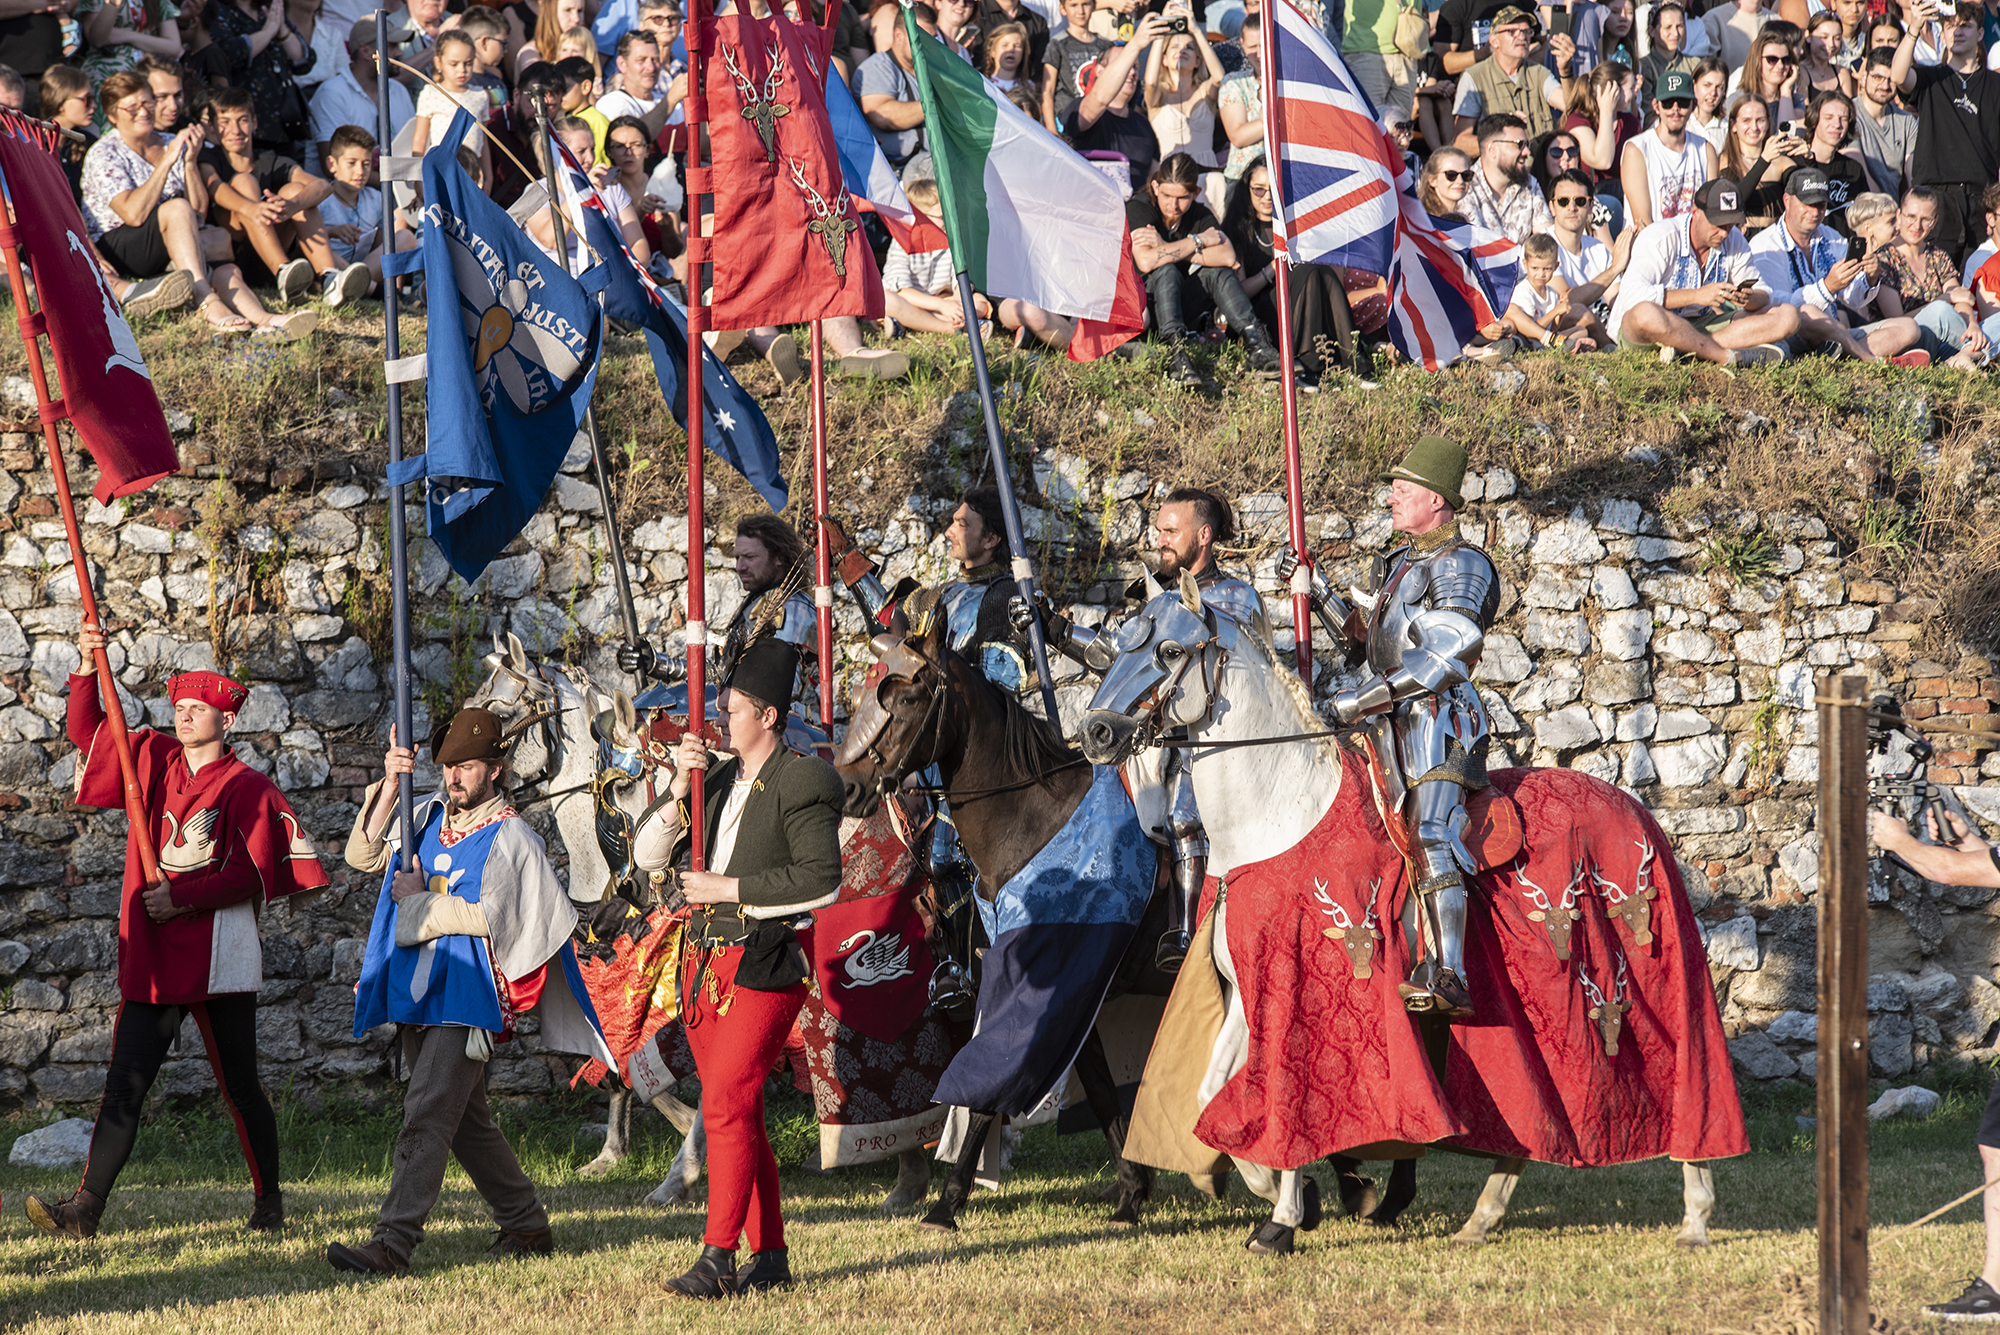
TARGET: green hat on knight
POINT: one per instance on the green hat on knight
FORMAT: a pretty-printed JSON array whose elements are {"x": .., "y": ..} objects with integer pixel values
[{"x": 1436, "y": 463}]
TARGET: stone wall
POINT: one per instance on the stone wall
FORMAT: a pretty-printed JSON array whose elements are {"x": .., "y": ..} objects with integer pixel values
[{"x": 1615, "y": 654}]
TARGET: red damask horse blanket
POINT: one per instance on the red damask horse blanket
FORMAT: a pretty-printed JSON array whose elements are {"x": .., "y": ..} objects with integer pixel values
[{"x": 1596, "y": 1038}]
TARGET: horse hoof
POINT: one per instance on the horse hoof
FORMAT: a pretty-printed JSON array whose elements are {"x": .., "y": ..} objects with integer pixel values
[
  {"x": 1125, "y": 1216},
  {"x": 1358, "y": 1195},
  {"x": 1273, "y": 1239},
  {"x": 1312, "y": 1214},
  {"x": 1691, "y": 1240},
  {"x": 1212, "y": 1185},
  {"x": 941, "y": 1220},
  {"x": 668, "y": 1193},
  {"x": 1384, "y": 1222},
  {"x": 900, "y": 1203},
  {"x": 597, "y": 1167},
  {"x": 1467, "y": 1238}
]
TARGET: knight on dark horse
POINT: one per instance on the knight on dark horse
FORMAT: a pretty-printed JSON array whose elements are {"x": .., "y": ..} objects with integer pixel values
[
  {"x": 974, "y": 609},
  {"x": 1190, "y": 524},
  {"x": 1421, "y": 629}
]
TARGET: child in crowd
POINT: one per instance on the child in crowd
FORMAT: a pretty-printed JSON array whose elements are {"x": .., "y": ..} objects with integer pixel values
[
  {"x": 586, "y": 85},
  {"x": 270, "y": 206},
  {"x": 488, "y": 32},
  {"x": 1539, "y": 314},
  {"x": 452, "y": 66},
  {"x": 921, "y": 291},
  {"x": 1068, "y": 52},
  {"x": 353, "y": 210}
]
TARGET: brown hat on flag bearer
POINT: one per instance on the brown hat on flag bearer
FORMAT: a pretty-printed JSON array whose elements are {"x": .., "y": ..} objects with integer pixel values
[{"x": 472, "y": 734}]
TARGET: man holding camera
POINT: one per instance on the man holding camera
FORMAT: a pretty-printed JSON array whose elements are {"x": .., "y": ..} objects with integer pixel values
[
  {"x": 1966, "y": 860},
  {"x": 1690, "y": 287},
  {"x": 1805, "y": 263},
  {"x": 1957, "y": 105}
]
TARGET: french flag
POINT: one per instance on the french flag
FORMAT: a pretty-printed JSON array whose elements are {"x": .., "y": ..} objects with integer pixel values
[
  {"x": 1346, "y": 197},
  {"x": 870, "y": 180}
]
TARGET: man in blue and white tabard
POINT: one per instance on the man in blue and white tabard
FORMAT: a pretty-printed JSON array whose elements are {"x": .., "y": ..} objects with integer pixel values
[{"x": 459, "y": 951}]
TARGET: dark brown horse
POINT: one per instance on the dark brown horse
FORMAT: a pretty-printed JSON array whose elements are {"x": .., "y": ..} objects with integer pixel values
[{"x": 1012, "y": 785}]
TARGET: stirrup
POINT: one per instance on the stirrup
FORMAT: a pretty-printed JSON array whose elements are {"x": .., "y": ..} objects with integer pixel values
[
  {"x": 1172, "y": 951},
  {"x": 1446, "y": 996}
]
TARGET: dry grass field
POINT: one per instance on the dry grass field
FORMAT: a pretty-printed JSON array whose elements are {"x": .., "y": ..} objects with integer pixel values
[{"x": 1581, "y": 1252}]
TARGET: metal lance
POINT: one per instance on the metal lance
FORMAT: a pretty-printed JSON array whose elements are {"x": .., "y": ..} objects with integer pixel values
[{"x": 399, "y": 525}]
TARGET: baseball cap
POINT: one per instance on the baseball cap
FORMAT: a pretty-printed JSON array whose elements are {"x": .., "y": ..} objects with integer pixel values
[
  {"x": 1674, "y": 84},
  {"x": 1807, "y": 185},
  {"x": 362, "y": 34},
  {"x": 1514, "y": 14},
  {"x": 1721, "y": 202}
]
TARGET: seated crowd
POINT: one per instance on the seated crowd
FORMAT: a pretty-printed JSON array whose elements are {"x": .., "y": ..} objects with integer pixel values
[{"x": 1734, "y": 181}]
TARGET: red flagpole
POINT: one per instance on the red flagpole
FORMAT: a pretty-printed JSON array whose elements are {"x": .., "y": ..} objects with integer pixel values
[
  {"x": 700, "y": 32},
  {"x": 823, "y": 570},
  {"x": 1289, "y": 397},
  {"x": 32, "y": 328}
]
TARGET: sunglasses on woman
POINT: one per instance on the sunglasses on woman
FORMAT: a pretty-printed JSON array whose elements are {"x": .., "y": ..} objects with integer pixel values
[
  {"x": 1555, "y": 152},
  {"x": 1779, "y": 60},
  {"x": 1447, "y": 174}
]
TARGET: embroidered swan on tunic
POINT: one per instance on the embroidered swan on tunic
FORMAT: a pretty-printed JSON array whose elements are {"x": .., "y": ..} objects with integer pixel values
[
  {"x": 878, "y": 961},
  {"x": 192, "y": 846}
]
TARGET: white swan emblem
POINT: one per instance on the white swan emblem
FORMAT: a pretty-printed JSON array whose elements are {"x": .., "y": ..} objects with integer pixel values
[{"x": 878, "y": 961}]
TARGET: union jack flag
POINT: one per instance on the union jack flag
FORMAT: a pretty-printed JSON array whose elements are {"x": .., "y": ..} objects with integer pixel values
[
  {"x": 1345, "y": 196},
  {"x": 576, "y": 182}
]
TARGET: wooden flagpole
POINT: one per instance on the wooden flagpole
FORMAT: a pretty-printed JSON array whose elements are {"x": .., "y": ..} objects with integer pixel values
[
  {"x": 1288, "y": 389},
  {"x": 33, "y": 327},
  {"x": 823, "y": 547},
  {"x": 700, "y": 32}
]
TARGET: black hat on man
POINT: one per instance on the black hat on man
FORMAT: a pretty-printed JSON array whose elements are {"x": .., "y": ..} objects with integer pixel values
[
  {"x": 472, "y": 734},
  {"x": 767, "y": 670}
]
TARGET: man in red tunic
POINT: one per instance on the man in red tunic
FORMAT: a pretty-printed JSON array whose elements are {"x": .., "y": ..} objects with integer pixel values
[{"x": 187, "y": 943}]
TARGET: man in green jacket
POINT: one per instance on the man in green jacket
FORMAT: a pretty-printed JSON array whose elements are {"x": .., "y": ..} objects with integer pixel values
[{"x": 772, "y": 818}]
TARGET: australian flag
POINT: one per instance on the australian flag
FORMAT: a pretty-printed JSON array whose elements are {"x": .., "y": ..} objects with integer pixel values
[
  {"x": 736, "y": 429},
  {"x": 512, "y": 344},
  {"x": 1346, "y": 197}
]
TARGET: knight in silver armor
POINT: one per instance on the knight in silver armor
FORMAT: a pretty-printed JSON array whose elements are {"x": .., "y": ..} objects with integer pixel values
[
  {"x": 980, "y": 631},
  {"x": 1190, "y": 523},
  {"x": 771, "y": 564},
  {"x": 1422, "y": 626}
]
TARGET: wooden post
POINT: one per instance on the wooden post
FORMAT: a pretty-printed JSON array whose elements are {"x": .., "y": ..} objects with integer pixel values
[{"x": 1843, "y": 1006}]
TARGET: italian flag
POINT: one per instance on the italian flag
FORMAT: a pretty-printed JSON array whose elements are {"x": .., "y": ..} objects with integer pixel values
[{"x": 1026, "y": 215}]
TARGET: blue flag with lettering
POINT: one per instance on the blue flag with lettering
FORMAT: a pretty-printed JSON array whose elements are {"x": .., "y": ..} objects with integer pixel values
[
  {"x": 733, "y": 425},
  {"x": 512, "y": 346}
]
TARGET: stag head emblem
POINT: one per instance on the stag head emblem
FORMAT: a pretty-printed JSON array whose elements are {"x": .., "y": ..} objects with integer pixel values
[
  {"x": 830, "y": 222},
  {"x": 760, "y": 109}
]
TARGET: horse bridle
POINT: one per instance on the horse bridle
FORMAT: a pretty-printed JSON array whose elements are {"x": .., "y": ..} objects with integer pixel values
[
  {"x": 890, "y": 774},
  {"x": 903, "y": 662}
]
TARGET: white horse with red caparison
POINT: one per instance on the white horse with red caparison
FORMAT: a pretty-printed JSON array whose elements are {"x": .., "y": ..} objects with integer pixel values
[{"x": 1181, "y": 664}]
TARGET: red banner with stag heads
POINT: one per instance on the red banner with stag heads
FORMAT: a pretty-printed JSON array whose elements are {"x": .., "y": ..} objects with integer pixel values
[{"x": 788, "y": 245}]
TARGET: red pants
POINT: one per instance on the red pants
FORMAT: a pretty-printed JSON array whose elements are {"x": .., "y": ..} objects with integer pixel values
[{"x": 732, "y": 1054}]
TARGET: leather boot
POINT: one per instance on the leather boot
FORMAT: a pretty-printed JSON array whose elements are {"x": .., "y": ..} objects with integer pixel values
[
  {"x": 74, "y": 1216},
  {"x": 370, "y": 1258},
  {"x": 713, "y": 1275},
  {"x": 1264, "y": 358},
  {"x": 269, "y": 1214},
  {"x": 523, "y": 1242},
  {"x": 767, "y": 1270}
]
